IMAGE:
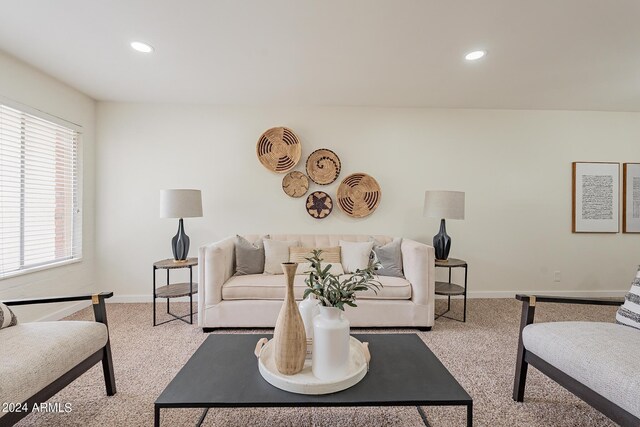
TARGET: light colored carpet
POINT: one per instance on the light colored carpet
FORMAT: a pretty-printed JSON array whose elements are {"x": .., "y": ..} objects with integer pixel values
[{"x": 480, "y": 354}]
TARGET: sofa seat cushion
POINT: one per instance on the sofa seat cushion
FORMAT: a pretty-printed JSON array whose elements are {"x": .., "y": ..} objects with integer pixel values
[
  {"x": 36, "y": 354},
  {"x": 602, "y": 356},
  {"x": 270, "y": 287}
]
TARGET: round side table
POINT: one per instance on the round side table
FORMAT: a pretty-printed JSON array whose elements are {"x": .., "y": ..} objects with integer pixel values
[
  {"x": 175, "y": 290},
  {"x": 451, "y": 289}
]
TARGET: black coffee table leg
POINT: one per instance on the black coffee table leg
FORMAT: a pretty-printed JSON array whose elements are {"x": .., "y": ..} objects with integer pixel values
[
  {"x": 202, "y": 417},
  {"x": 156, "y": 416},
  {"x": 470, "y": 415},
  {"x": 423, "y": 416}
]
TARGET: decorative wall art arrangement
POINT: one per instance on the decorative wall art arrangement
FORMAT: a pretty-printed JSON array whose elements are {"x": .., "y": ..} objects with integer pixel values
[
  {"x": 596, "y": 197},
  {"x": 359, "y": 195},
  {"x": 631, "y": 198},
  {"x": 295, "y": 184},
  {"x": 323, "y": 166},
  {"x": 319, "y": 204},
  {"x": 279, "y": 150}
]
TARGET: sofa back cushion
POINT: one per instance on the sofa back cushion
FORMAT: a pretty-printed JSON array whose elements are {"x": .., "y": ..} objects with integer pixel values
[
  {"x": 629, "y": 313},
  {"x": 323, "y": 240}
]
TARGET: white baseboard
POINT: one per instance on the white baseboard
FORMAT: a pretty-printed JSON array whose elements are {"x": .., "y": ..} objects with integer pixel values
[
  {"x": 145, "y": 298},
  {"x": 64, "y": 312},
  {"x": 512, "y": 294},
  {"x": 472, "y": 294}
]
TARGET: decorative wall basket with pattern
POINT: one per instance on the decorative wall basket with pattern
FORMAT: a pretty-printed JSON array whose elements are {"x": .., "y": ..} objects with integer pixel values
[
  {"x": 323, "y": 166},
  {"x": 359, "y": 195},
  {"x": 295, "y": 184},
  {"x": 279, "y": 149},
  {"x": 319, "y": 204}
]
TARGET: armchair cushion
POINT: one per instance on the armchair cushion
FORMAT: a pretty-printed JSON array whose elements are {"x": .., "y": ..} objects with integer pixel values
[
  {"x": 7, "y": 317},
  {"x": 601, "y": 356},
  {"x": 629, "y": 313},
  {"x": 36, "y": 354}
]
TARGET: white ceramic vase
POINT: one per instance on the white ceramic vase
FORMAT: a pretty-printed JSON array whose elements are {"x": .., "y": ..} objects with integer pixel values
[
  {"x": 330, "y": 358},
  {"x": 308, "y": 310}
]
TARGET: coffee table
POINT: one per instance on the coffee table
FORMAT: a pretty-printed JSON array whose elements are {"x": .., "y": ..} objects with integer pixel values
[{"x": 223, "y": 373}]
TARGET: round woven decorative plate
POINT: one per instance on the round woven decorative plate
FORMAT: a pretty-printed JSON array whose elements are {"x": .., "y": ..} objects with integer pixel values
[
  {"x": 295, "y": 184},
  {"x": 279, "y": 149},
  {"x": 319, "y": 204},
  {"x": 323, "y": 166},
  {"x": 359, "y": 195}
]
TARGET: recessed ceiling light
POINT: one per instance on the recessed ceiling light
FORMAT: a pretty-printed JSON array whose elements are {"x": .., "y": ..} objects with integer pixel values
[
  {"x": 142, "y": 47},
  {"x": 476, "y": 54}
]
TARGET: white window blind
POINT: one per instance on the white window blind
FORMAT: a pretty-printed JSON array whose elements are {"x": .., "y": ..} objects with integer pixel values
[{"x": 40, "y": 220}]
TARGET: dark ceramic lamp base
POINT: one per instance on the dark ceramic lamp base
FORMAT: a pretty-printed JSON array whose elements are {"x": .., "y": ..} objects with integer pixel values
[
  {"x": 442, "y": 242},
  {"x": 180, "y": 244}
]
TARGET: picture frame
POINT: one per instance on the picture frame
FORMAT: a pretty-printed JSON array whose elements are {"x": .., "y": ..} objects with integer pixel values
[
  {"x": 631, "y": 198},
  {"x": 596, "y": 197}
]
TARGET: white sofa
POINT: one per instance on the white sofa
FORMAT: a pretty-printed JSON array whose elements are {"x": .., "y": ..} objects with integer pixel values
[{"x": 248, "y": 301}]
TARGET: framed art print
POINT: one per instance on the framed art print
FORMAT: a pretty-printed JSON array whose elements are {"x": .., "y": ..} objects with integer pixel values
[
  {"x": 631, "y": 198},
  {"x": 596, "y": 197}
]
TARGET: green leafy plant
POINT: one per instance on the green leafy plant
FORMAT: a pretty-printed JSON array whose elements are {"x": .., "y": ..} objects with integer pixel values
[{"x": 330, "y": 291}]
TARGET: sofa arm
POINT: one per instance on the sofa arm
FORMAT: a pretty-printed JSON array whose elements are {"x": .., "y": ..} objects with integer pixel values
[
  {"x": 216, "y": 262},
  {"x": 418, "y": 262}
]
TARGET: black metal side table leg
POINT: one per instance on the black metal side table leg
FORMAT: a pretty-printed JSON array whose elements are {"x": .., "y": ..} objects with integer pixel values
[
  {"x": 156, "y": 416},
  {"x": 191, "y": 295},
  {"x": 154, "y": 295},
  {"x": 464, "y": 315},
  {"x": 470, "y": 415}
]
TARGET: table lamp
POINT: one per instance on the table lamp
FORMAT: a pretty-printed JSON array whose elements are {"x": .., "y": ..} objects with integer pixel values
[
  {"x": 180, "y": 204},
  {"x": 443, "y": 204}
]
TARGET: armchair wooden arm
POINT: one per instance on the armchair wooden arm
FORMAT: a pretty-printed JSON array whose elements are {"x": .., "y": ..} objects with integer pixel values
[
  {"x": 47, "y": 300},
  {"x": 532, "y": 299}
]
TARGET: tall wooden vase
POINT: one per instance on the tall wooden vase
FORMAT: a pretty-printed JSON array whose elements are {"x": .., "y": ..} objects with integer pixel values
[{"x": 290, "y": 338}]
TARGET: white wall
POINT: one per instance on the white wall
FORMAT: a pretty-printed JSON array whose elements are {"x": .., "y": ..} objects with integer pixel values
[
  {"x": 26, "y": 85},
  {"x": 515, "y": 167}
]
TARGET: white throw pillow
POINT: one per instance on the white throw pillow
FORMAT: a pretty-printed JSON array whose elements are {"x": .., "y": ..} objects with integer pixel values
[
  {"x": 355, "y": 255},
  {"x": 275, "y": 253},
  {"x": 336, "y": 268}
]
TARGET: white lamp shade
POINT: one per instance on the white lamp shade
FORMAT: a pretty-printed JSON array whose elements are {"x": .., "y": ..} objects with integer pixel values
[
  {"x": 444, "y": 204},
  {"x": 180, "y": 203}
]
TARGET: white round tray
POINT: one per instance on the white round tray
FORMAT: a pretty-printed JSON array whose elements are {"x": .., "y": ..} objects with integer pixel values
[{"x": 304, "y": 382}]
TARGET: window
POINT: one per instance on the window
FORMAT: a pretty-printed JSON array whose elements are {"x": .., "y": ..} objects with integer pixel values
[{"x": 40, "y": 220}]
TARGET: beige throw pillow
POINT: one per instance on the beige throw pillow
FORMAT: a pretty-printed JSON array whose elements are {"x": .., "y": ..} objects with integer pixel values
[
  {"x": 336, "y": 268},
  {"x": 275, "y": 253},
  {"x": 300, "y": 254},
  {"x": 355, "y": 255}
]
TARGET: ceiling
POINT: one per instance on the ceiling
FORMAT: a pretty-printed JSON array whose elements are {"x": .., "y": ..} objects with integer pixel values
[{"x": 542, "y": 54}]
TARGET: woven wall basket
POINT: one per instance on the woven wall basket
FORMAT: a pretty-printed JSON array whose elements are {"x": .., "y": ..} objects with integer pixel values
[
  {"x": 319, "y": 204},
  {"x": 323, "y": 166},
  {"x": 295, "y": 184},
  {"x": 359, "y": 195},
  {"x": 279, "y": 149}
]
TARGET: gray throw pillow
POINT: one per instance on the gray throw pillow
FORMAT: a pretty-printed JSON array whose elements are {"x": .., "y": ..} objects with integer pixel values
[
  {"x": 249, "y": 256},
  {"x": 390, "y": 256},
  {"x": 629, "y": 313},
  {"x": 7, "y": 318}
]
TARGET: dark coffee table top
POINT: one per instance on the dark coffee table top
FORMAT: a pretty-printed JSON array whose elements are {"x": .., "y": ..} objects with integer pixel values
[{"x": 223, "y": 372}]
